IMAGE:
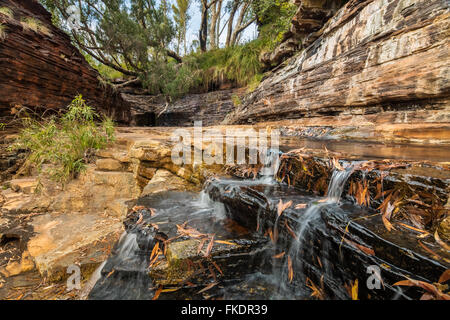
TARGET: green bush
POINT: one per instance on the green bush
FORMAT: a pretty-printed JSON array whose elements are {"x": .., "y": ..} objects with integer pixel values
[{"x": 64, "y": 143}]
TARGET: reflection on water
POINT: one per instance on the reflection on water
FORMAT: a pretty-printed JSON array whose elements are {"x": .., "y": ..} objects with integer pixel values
[{"x": 371, "y": 150}]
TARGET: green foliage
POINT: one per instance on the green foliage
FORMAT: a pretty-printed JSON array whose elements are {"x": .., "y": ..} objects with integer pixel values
[
  {"x": 2, "y": 32},
  {"x": 7, "y": 12},
  {"x": 236, "y": 100},
  {"x": 274, "y": 18},
  {"x": 35, "y": 25},
  {"x": 62, "y": 143}
]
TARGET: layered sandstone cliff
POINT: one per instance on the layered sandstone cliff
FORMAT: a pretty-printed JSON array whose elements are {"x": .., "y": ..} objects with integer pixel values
[
  {"x": 371, "y": 57},
  {"x": 41, "y": 69}
]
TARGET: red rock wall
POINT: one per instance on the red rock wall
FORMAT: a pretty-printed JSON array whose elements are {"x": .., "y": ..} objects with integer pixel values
[{"x": 40, "y": 70}]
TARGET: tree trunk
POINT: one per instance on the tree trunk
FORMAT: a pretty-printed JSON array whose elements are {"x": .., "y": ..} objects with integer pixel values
[
  {"x": 230, "y": 22},
  {"x": 203, "y": 34}
]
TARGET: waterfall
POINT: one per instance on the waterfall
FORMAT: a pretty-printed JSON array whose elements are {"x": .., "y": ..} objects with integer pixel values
[
  {"x": 271, "y": 165},
  {"x": 312, "y": 215}
]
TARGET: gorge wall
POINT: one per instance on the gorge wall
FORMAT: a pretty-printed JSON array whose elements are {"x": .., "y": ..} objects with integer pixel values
[
  {"x": 372, "y": 56},
  {"x": 41, "y": 69}
]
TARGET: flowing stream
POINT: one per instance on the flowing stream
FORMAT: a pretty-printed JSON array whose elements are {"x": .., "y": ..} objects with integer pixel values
[{"x": 262, "y": 254}]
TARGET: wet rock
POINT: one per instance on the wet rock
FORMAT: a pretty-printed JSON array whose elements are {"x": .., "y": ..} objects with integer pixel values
[{"x": 339, "y": 244}]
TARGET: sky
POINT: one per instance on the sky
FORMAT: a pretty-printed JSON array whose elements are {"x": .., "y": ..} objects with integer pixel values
[{"x": 194, "y": 26}]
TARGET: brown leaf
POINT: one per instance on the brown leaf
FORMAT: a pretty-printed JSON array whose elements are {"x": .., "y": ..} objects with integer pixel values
[
  {"x": 291, "y": 271},
  {"x": 279, "y": 256},
  {"x": 138, "y": 208},
  {"x": 283, "y": 206},
  {"x": 445, "y": 276},
  {"x": 211, "y": 285},
  {"x": 154, "y": 251},
  {"x": 291, "y": 232},
  {"x": 364, "y": 249},
  {"x": 316, "y": 292},
  {"x": 209, "y": 248},
  {"x": 200, "y": 246},
  {"x": 337, "y": 165},
  {"x": 217, "y": 267},
  {"x": 412, "y": 228},
  {"x": 434, "y": 254},
  {"x": 441, "y": 243},
  {"x": 431, "y": 288},
  {"x": 158, "y": 292},
  {"x": 355, "y": 290},
  {"x": 301, "y": 206}
]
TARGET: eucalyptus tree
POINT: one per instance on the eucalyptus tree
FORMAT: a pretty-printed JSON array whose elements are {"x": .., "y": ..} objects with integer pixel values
[
  {"x": 181, "y": 18},
  {"x": 130, "y": 36}
]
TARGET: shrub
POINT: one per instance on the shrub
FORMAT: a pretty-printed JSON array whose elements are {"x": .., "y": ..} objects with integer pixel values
[
  {"x": 64, "y": 143},
  {"x": 7, "y": 12},
  {"x": 35, "y": 25}
]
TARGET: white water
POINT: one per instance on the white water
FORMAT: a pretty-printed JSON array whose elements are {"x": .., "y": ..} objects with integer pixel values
[
  {"x": 271, "y": 165},
  {"x": 311, "y": 215}
]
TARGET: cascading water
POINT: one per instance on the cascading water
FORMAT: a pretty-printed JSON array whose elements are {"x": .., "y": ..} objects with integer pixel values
[
  {"x": 270, "y": 168},
  {"x": 305, "y": 221}
]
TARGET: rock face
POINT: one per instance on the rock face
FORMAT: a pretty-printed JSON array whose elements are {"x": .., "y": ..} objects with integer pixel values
[
  {"x": 210, "y": 108},
  {"x": 42, "y": 70},
  {"x": 308, "y": 20},
  {"x": 371, "y": 57}
]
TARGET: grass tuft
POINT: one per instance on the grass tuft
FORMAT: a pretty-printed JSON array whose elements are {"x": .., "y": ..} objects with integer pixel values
[
  {"x": 35, "y": 25},
  {"x": 59, "y": 147},
  {"x": 7, "y": 12},
  {"x": 2, "y": 32}
]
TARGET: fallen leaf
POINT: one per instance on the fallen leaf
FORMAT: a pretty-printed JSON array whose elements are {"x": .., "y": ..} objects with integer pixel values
[
  {"x": 211, "y": 285},
  {"x": 279, "y": 256},
  {"x": 440, "y": 242},
  {"x": 337, "y": 165},
  {"x": 283, "y": 206},
  {"x": 301, "y": 206},
  {"x": 158, "y": 292},
  {"x": 225, "y": 242},
  {"x": 412, "y": 228},
  {"x": 209, "y": 248},
  {"x": 434, "y": 254},
  {"x": 217, "y": 267},
  {"x": 364, "y": 249},
  {"x": 291, "y": 271},
  {"x": 431, "y": 288},
  {"x": 355, "y": 290},
  {"x": 445, "y": 276}
]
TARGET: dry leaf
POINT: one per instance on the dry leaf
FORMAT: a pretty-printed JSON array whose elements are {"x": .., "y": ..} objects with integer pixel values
[
  {"x": 279, "y": 256},
  {"x": 209, "y": 248},
  {"x": 211, "y": 285},
  {"x": 157, "y": 293},
  {"x": 301, "y": 206},
  {"x": 355, "y": 290},
  {"x": 431, "y": 288},
  {"x": 441, "y": 243},
  {"x": 291, "y": 271},
  {"x": 283, "y": 206},
  {"x": 364, "y": 249},
  {"x": 445, "y": 276}
]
